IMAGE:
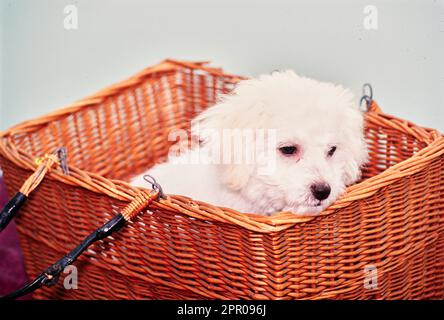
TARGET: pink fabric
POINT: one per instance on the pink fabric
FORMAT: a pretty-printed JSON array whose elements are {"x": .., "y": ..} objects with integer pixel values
[{"x": 12, "y": 271}]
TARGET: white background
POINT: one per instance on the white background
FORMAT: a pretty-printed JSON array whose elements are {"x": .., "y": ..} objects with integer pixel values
[{"x": 45, "y": 66}]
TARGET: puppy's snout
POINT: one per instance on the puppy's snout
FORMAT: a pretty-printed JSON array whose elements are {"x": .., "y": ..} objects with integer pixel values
[{"x": 320, "y": 191}]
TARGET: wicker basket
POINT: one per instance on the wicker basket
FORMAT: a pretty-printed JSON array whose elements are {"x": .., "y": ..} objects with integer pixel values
[{"x": 179, "y": 248}]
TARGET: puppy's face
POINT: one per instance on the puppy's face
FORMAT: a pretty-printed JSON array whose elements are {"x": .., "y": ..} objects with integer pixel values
[
  {"x": 317, "y": 147},
  {"x": 314, "y": 161}
]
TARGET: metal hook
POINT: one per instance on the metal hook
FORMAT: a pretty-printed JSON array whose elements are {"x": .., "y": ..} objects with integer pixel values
[
  {"x": 155, "y": 185},
  {"x": 62, "y": 154},
  {"x": 368, "y": 98}
]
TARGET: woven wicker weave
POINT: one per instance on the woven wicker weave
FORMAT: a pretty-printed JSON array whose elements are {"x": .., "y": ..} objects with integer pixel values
[{"x": 185, "y": 249}]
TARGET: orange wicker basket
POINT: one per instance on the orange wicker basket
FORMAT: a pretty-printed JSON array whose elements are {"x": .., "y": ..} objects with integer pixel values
[{"x": 391, "y": 223}]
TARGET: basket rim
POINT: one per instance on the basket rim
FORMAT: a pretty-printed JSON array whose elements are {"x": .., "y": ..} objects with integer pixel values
[{"x": 122, "y": 190}]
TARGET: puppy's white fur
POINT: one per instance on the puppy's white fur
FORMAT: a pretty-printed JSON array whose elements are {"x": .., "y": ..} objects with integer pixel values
[{"x": 311, "y": 115}]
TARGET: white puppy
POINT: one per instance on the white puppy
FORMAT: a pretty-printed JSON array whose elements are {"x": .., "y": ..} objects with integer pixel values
[{"x": 307, "y": 138}]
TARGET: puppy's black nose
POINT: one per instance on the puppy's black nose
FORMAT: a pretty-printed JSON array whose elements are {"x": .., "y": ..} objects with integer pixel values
[{"x": 320, "y": 191}]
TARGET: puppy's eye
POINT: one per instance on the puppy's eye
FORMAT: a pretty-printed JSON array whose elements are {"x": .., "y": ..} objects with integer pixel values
[
  {"x": 332, "y": 151},
  {"x": 288, "y": 150}
]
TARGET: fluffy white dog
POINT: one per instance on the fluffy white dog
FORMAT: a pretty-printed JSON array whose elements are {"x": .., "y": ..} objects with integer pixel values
[{"x": 308, "y": 146}]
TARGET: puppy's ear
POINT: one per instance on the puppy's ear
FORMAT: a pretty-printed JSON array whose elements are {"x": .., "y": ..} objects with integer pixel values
[
  {"x": 235, "y": 112},
  {"x": 352, "y": 172},
  {"x": 218, "y": 127},
  {"x": 236, "y": 176},
  {"x": 356, "y": 146},
  {"x": 240, "y": 109},
  {"x": 209, "y": 124}
]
